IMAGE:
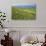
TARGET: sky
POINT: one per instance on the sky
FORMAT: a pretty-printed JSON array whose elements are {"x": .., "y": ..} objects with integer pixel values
[{"x": 25, "y": 5}]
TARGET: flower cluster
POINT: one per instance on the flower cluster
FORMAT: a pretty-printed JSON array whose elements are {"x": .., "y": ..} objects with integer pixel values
[{"x": 2, "y": 18}]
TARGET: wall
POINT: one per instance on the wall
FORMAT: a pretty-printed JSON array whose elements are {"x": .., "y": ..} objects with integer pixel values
[{"x": 5, "y": 6}]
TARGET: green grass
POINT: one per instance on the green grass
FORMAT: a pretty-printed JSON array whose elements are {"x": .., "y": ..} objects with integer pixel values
[{"x": 23, "y": 13}]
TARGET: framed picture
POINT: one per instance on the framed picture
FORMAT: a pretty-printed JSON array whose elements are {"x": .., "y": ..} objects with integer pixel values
[{"x": 24, "y": 12}]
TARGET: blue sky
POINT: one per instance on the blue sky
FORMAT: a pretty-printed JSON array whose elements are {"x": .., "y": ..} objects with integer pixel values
[{"x": 25, "y": 5}]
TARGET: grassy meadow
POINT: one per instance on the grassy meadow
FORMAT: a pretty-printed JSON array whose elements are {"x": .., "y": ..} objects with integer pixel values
[{"x": 19, "y": 13}]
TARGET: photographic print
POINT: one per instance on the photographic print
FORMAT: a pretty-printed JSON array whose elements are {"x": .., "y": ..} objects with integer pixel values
[{"x": 24, "y": 12}]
